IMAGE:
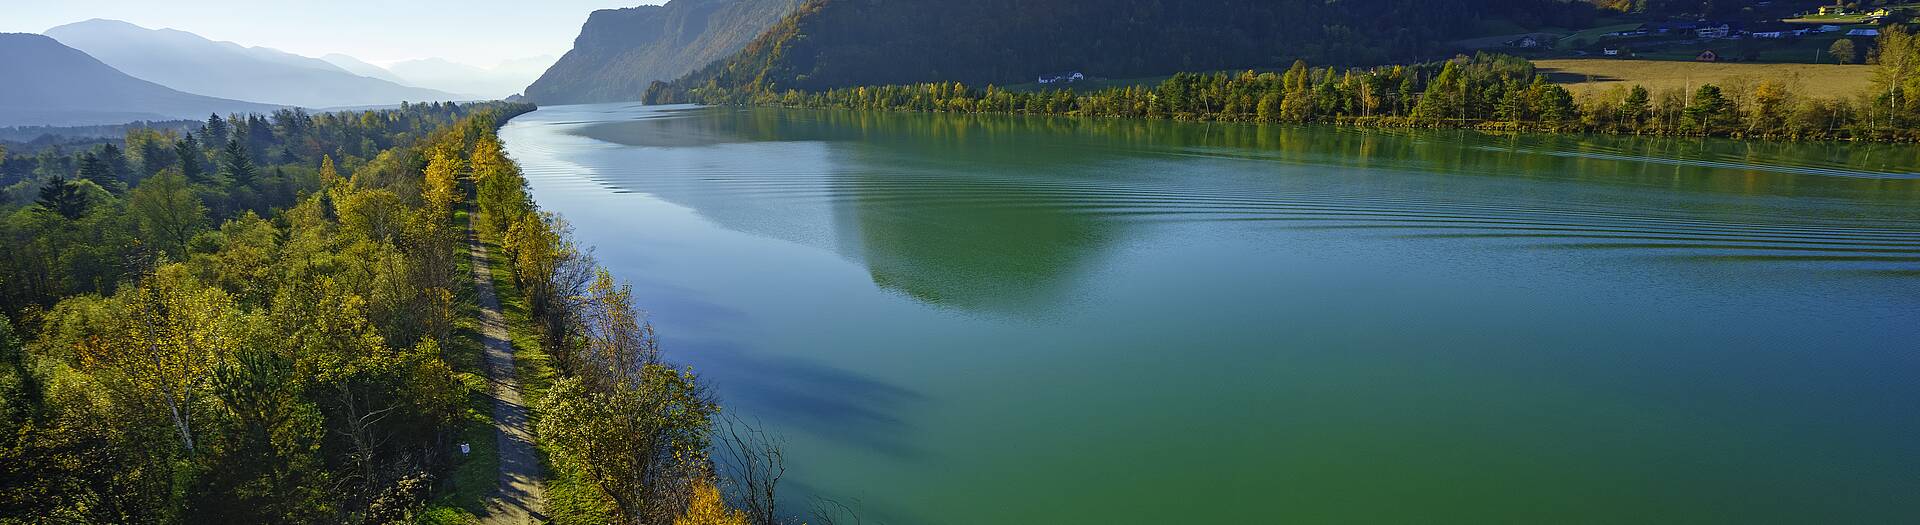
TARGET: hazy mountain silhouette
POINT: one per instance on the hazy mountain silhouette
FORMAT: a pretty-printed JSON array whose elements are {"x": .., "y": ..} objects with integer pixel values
[
  {"x": 363, "y": 68},
  {"x": 55, "y": 85},
  {"x": 190, "y": 63},
  {"x": 620, "y": 51},
  {"x": 506, "y": 78}
]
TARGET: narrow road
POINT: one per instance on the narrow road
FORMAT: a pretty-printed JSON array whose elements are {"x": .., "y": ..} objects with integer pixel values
[{"x": 518, "y": 499}]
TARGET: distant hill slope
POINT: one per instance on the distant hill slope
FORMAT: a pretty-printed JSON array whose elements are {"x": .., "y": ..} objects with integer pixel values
[
  {"x": 841, "y": 43},
  {"x": 190, "y": 63},
  {"x": 504, "y": 79},
  {"x": 49, "y": 84},
  {"x": 362, "y": 68},
  {"x": 620, "y": 51}
]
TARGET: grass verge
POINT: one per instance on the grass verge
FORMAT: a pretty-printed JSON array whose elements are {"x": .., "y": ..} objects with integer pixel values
[
  {"x": 571, "y": 498},
  {"x": 461, "y": 495}
]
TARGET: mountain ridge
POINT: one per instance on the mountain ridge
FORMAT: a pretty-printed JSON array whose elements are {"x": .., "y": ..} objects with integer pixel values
[
  {"x": 75, "y": 89},
  {"x": 620, "y": 51},
  {"x": 188, "y": 62}
]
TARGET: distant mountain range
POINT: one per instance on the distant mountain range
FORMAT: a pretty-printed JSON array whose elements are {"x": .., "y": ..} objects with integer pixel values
[
  {"x": 620, "y": 51},
  {"x": 506, "y": 78},
  {"x": 361, "y": 67},
  {"x": 188, "y": 62},
  {"x": 50, "y": 84}
]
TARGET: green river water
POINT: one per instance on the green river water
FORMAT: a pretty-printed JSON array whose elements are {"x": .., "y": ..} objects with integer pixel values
[{"x": 961, "y": 319}]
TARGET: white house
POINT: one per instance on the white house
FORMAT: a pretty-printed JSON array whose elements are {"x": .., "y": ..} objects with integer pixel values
[
  {"x": 1610, "y": 52},
  {"x": 1769, "y": 34},
  {"x": 1719, "y": 31},
  {"x": 1863, "y": 32},
  {"x": 1829, "y": 28},
  {"x": 1057, "y": 78}
]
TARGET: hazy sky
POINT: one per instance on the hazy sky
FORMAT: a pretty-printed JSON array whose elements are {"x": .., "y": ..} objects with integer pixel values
[{"x": 479, "y": 32}]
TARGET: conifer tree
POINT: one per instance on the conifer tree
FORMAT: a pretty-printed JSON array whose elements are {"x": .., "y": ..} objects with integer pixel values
[
  {"x": 237, "y": 164},
  {"x": 216, "y": 130},
  {"x": 191, "y": 166},
  {"x": 64, "y": 197}
]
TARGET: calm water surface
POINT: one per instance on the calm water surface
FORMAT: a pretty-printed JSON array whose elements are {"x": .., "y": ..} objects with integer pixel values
[{"x": 1032, "y": 320}]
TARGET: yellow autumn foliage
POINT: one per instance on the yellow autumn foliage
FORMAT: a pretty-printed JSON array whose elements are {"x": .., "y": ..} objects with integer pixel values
[{"x": 707, "y": 508}]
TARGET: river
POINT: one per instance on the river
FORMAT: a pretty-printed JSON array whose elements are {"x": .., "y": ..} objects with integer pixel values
[{"x": 992, "y": 319}]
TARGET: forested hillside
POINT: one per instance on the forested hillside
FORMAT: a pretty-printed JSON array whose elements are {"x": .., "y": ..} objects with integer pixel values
[
  {"x": 840, "y": 43},
  {"x": 620, "y": 51}
]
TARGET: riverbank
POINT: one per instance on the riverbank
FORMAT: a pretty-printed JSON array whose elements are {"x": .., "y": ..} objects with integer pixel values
[{"x": 1486, "y": 92}]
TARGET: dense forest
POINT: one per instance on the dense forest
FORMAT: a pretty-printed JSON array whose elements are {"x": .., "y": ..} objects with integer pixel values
[
  {"x": 267, "y": 319},
  {"x": 1492, "y": 92},
  {"x": 828, "y": 44}
]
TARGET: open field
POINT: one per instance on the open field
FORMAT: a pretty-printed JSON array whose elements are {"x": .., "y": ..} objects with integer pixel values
[{"x": 1822, "y": 80}]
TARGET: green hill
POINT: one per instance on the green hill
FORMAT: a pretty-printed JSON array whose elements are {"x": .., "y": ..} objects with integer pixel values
[{"x": 839, "y": 43}]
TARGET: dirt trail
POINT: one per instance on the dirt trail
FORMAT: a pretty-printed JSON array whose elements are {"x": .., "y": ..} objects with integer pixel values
[{"x": 519, "y": 498}]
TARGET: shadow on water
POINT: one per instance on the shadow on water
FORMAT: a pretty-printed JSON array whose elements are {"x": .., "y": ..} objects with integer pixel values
[
  {"x": 1001, "y": 237},
  {"x": 797, "y": 393}
]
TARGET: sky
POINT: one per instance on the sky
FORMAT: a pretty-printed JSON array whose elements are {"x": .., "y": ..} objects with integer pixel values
[{"x": 477, "y": 32}]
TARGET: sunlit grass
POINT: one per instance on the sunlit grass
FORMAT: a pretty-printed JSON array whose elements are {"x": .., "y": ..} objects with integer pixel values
[
  {"x": 461, "y": 497},
  {"x": 571, "y": 499}
]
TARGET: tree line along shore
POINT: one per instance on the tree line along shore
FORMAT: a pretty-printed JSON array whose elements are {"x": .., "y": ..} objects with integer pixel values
[{"x": 1486, "y": 91}]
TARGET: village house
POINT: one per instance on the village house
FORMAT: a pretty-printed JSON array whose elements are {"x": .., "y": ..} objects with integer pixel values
[
  {"x": 1062, "y": 78},
  {"x": 1713, "y": 31},
  {"x": 1863, "y": 32},
  {"x": 1707, "y": 56}
]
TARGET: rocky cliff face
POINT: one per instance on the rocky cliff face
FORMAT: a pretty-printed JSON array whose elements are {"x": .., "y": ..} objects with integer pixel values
[{"x": 620, "y": 51}]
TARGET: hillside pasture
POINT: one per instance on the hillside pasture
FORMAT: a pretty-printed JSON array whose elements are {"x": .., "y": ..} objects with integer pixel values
[{"x": 1596, "y": 75}]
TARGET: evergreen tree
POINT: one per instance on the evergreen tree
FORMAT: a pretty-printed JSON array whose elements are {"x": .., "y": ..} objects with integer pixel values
[
  {"x": 1634, "y": 110},
  {"x": 216, "y": 130},
  {"x": 1554, "y": 103},
  {"x": 1708, "y": 109},
  {"x": 116, "y": 162},
  {"x": 93, "y": 169},
  {"x": 237, "y": 164},
  {"x": 155, "y": 156},
  {"x": 191, "y": 166},
  {"x": 64, "y": 197}
]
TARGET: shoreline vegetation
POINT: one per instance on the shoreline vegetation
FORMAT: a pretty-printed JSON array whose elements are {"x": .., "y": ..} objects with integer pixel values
[
  {"x": 1488, "y": 92},
  {"x": 272, "y": 319}
]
